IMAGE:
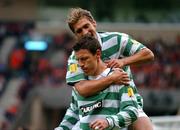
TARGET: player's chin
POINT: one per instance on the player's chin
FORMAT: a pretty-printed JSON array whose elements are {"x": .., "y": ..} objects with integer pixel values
[
  {"x": 88, "y": 73},
  {"x": 89, "y": 34},
  {"x": 85, "y": 71}
]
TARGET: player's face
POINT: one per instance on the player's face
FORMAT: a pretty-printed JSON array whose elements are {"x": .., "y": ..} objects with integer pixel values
[
  {"x": 85, "y": 27},
  {"x": 87, "y": 61}
]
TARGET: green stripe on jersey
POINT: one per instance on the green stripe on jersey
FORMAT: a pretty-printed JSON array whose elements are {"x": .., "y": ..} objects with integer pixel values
[
  {"x": 65, "y": 127},
  {"x": 108, "y": 37},
  {"x": 121, "y": 121},
  {"x": 75, "y": 78},
  {"x": 127, "y": 48},
  {"x": 102, "y": 111},
  {"x": 102, "y": 95},
  {"x": 126, "y": 103},
  {"x": 85, "y": 126},
  {"x": 70, "y": 119}
]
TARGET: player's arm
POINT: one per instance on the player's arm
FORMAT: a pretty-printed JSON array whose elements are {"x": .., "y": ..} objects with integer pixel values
[
  {"x": 128, "y": 109},
  {"x": 71, "y": 117},
  {"x": 132, "y": 53},
  {"x": 141, "y": 57},
  {"x": 90, "y": 87}
]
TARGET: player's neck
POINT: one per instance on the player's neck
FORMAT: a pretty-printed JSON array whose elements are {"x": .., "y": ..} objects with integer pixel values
[{"x": 101, "y": 67}]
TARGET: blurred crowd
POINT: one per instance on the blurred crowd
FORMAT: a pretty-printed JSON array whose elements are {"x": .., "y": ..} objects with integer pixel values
[
  {"x": 48, "y": 67},
  {"x": 36, "y": 68},
  {"x": 164, "y": 72}
]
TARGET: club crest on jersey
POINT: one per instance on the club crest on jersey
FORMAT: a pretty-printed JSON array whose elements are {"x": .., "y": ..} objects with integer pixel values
[
  {"x": 73, "y": 68},
  {"x": 130, "y": 92},
  {"x": 90, "y": 107}
]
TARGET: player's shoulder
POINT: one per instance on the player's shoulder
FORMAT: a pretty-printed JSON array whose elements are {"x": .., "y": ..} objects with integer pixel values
[{"x": 106, "y": 34}]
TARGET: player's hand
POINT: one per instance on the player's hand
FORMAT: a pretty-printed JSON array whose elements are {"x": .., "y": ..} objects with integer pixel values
[
  {"x": 120, "y": 77},
  {"x": 99, "y": 124},
  {"x": 115, "y": 63}
]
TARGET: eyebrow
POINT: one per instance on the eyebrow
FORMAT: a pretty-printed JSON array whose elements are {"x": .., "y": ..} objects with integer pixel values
[{"x": 82, "y": 27}]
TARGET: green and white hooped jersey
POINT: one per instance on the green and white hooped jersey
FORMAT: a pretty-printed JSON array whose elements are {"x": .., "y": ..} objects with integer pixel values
[
  {"x": 116, "y": 103},
  {"x": 114, "y": 46}
]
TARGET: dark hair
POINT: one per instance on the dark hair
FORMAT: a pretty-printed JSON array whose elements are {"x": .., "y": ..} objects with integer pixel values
[{"x": 87, "y": 42}]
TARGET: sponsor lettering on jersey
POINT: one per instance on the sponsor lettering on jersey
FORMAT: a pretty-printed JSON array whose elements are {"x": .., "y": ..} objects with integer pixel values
[{"x": 90, "y": 107}]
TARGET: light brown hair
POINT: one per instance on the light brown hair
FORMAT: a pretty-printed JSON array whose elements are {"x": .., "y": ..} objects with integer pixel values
[{"x": 75, "y": 14}]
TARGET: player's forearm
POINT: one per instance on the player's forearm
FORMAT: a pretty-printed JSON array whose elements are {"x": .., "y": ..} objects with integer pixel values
[
  {"x": 143, "y": 56},
  {"x": 90, "y": 87},
  {"x": 123, "y": 118}
]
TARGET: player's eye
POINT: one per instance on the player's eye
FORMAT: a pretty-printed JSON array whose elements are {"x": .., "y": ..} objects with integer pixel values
[
  {"x": 86, "y": 26},
  {"x": 79, "y": 31},
  {"x": 84, "y": 58}
]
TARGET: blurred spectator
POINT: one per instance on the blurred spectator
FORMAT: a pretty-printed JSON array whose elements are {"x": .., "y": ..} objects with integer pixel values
[
  {"x": 164, "y": 72},
  {"x": 11, "y": 112},
  {"x": 25, "y": 87},
  {"x": 17, "y": 59}
]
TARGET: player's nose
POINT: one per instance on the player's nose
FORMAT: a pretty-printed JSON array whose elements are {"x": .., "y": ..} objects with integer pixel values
[{"x": 85, "y": 32}]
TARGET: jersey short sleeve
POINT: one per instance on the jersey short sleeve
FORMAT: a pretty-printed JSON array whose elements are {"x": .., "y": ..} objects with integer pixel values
[
  {"x": 74, "y": 73},
  {"x": 118, "y": 45},
  {"x": 130, "y": 46}
]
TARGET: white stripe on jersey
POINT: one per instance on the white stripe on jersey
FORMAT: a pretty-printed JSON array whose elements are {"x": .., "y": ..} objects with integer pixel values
[
  {"x": 109, "y": 43},
  {"x": 106, "y": 103},
  {"x": 124, "y": 41},
  {"x": 90, "y": 118},
  {"x": 67, "y": 124},
  {"x": 104, "y": 34},
  {"x": 125, "y": 97},
  {"x": 127, "y": 117},
  {"x": 71, "y": 114}
]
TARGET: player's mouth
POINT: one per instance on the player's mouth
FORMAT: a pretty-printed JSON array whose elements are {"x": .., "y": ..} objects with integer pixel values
[{"x": 85, "y": 70}]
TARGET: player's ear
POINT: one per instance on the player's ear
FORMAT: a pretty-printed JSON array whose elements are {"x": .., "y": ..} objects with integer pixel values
[
  {"x": 94, "y": 23},
  {"x": 98, "y": 53}
]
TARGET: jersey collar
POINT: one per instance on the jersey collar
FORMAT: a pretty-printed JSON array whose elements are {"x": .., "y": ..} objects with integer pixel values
[{"x": 103, "y": 74}]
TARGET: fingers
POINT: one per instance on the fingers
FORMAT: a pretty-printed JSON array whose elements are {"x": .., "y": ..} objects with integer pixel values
[
  {"x": 118, "y": 69},
  {"x": 95, "y": 125},
  {"x": 114, "y": 63},
  {"x": 100, "y": 124},
  {"x": 125, "y": 79},
  {"x": 124, "y": 83},
  {"x": 121, "y": 77}
]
